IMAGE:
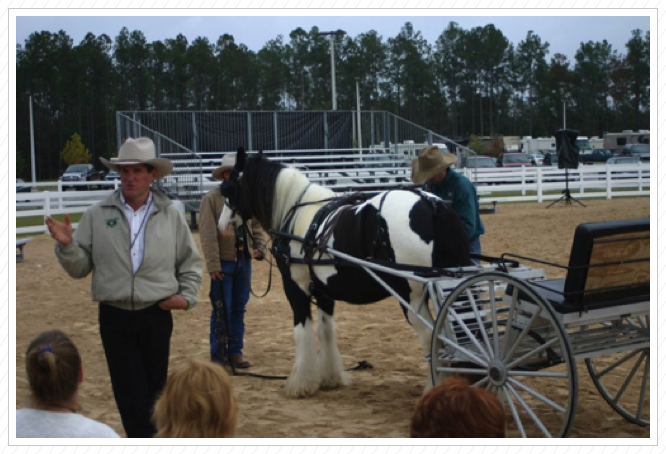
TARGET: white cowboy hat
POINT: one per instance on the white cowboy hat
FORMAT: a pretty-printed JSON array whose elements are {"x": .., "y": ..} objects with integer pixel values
[
  {"x": 228, "y": 162},
  {"x": 139, "y": 151},
  {"x": 430, "y": 162}
]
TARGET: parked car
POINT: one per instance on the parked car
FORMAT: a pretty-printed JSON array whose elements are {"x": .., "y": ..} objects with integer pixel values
[
  {"x": 617, "y": 160},
  {"x": 624, "y": 160},
  {"x": 21, "y": 187},
  {"x": 112, "y": 176},
  {"x": 480, "y": 162},
  {"x": 595, "y": 156},
  {"x": 639, "y": 150},
  {"x": 535, "y": 158},
  {"x": 550, "y": 159},
  {"x": 80, "y": 172},
  {"x": 513, "y": 160}
]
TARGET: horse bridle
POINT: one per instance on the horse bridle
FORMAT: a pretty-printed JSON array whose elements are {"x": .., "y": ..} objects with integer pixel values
[{"x": 230, "y": 189}]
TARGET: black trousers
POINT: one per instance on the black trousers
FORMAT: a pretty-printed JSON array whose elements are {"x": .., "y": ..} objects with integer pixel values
[{"x": 136, "y": 344}]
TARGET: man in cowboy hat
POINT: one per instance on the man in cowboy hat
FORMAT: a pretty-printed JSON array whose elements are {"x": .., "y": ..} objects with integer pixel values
[
  {"x": 144, "y": 264},
  {"x": 230, "y": 271},
  {"x": 432, "y": 168}
]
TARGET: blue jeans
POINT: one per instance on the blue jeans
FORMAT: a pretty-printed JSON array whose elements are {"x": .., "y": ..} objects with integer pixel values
[
  {"x": 475, "y": 248},
  {"x": 235, "y": 294}
]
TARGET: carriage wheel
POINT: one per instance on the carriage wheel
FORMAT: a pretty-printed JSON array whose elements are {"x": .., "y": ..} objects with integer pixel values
[
  {"x": 624, "y": 379},
  {"x": 504, "y": 343}
]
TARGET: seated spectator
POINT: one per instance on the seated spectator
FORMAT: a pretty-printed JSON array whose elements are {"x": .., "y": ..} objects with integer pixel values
[
  {"x": 55, "y": 373},
  {"x": 198, "y": 402},
  {"x": 455, "y": 409}
]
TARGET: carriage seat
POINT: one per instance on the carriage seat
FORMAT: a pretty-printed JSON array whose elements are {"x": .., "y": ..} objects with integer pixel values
[
  {"x": 20, "y": 244},
  {"x": 609, "y": 266}
]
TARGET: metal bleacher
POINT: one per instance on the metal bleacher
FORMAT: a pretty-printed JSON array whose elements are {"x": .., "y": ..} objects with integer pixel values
[{"x": 323, "y": 145}]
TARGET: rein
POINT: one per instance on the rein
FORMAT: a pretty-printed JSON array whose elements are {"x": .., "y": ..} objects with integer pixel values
[
  {"x": 240, "y": 248},
  {"x": 223, "y": 337}
]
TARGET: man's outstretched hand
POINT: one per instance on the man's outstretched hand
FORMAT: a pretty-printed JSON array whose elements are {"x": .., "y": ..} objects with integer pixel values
[{"x": 60, "y": 231}]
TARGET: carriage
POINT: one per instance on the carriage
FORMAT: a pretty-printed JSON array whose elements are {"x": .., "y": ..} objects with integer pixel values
[{"x": 502, "y": 323}]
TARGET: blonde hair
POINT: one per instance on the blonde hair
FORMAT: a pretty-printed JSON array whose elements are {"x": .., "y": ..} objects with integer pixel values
[
  {"x": 52, "y": 362},
  {"x": 198, "y": 402},
  {"x": 455, "y": 409}
]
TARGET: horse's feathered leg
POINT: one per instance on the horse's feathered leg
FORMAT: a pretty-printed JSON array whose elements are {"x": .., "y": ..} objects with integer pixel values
[
  {"x": 304, "y": 378},
  {"x": 330, "y": 362}
]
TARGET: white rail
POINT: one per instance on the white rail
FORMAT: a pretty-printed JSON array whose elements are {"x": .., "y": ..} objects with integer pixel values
[{"x": 537, "y": 184}]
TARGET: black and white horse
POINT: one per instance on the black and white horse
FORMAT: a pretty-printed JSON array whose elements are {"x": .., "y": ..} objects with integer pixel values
[{"x": 400, "y": 226}]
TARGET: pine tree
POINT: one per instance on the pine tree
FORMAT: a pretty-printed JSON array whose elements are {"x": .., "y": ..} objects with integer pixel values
[
  {"x": 75, "y": 152},
  {"x": 476, "y": 144},
  {"x": 21, "y": 164}
]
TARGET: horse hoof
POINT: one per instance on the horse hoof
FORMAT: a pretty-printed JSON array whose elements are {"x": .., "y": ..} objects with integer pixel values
[
  {"x": 293, "y": 389},
  {"x": 334, "y": 382}
]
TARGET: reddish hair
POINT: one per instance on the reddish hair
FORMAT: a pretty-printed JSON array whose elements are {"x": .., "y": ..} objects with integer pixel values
[{"x": 455, "y": 409}]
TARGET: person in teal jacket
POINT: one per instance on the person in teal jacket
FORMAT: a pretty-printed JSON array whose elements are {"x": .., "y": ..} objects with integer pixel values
[{"x": 432, "y": 168}]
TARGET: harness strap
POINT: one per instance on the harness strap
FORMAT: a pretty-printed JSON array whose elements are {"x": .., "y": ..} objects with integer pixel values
[
  {"x": 380, "y": 232},
  {"x": 292, "y": 210},
  {"x": 321, "y": 229}
]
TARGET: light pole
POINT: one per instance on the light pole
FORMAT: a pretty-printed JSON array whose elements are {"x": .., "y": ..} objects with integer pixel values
[
  {"x": 332, "y": 36},
  {"x": 33, "y": 173}
]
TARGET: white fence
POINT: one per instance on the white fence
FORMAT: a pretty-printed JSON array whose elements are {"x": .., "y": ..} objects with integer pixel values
[
  {"x": 49, "y": 203},
  {"x": 542, "y": 184},
  {"x": 536, "y": 184}
]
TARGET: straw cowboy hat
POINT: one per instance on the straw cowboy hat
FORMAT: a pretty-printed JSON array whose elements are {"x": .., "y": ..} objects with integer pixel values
[
  {"x": 228, "y": 163},
  {"x": 139, "y": 151},
  {"x": 430, "y": 162}
]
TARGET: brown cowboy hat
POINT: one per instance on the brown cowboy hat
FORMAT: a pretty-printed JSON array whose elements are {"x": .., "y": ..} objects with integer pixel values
[
  {"x": 228, "y": 163},
  {"x": 431, "y": 161},
  {"x": 140, "y": 151}
]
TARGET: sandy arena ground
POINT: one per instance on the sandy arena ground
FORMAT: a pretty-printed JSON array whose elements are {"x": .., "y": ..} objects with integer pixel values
[{"x": 378, "y": 403}]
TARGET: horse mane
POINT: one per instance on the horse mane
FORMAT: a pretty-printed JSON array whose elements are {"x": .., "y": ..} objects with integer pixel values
[{"x": 272, "y": 189}]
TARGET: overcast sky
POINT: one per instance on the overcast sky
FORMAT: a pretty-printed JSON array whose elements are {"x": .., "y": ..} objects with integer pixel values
[
  {"x": 564, "y": 33},
  {"x": 563, "y": 29}
]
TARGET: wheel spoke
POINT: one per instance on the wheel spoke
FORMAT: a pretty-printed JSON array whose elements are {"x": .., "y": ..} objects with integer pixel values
[
  {"x": 539, "y": 396},
  {"x": 509, "y": 320},
  {"x": 522, "y": 334},
  {"x": 641, "y": 399},
  {"x": 493, "y": 314},
  {"x": 460, "y": 370},
  {"x": 468, "y": 354},
  {"x": 622, "y": 360},
  {"x": 629, "y": 378},
  {"x": 482, "y": 382},
  {"x": 529, "y": 411},
  {"x": 537, "y": 373},
  {"x": 529, "y": 354},
  {"x": 469, "y": 334},
  {"x": 514, "y": 412},
  {"x": 481, "y": 323}
]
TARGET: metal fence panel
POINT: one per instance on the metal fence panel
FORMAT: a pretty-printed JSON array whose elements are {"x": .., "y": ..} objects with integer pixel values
[{"x": 196, "y": 141}]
